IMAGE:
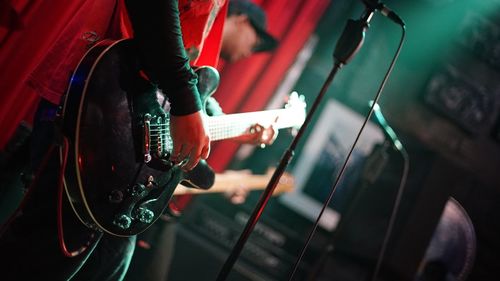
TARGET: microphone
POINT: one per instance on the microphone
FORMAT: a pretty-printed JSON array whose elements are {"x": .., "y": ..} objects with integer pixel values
[
  {"x": 376, "y": 5},
  {"x": 386, "y": 129},
  {"x": 353, "y": 36}
]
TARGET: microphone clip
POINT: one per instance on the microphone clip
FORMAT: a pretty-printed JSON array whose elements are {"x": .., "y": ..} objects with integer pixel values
[{"x": 351, "y": 40}]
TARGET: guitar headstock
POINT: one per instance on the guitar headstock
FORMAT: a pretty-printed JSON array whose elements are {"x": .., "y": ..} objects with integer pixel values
[{"x": 297, "y": 105}]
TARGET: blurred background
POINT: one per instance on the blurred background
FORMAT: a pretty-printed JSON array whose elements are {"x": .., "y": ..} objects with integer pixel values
[{"x": 442, "y": 101}]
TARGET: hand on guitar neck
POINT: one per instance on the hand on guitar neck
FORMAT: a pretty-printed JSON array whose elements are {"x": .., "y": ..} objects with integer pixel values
[{"x": 258, "y": 135}]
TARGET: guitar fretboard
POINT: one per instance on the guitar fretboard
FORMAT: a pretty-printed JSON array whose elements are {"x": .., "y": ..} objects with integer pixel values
[{"x": 233, "y": 125}]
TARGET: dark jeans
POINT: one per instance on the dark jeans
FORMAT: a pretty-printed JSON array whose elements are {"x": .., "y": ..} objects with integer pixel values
[
  {"x": 29, "y": 245},
  {"x": 153, "y": 256}
]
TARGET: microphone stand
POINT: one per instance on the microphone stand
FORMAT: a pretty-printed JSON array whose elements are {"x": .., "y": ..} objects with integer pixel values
[{"x": 348, "y": 45}]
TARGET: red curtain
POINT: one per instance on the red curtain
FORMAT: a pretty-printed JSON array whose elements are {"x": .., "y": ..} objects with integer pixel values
[{"x": 29, "y": 27}]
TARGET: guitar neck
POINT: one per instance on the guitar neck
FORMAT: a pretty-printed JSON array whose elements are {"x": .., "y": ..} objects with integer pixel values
[{"x": 234, "y": 125}]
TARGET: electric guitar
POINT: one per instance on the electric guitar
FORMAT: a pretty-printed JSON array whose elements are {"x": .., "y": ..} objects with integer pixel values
[{"x": 118, "y": 177}]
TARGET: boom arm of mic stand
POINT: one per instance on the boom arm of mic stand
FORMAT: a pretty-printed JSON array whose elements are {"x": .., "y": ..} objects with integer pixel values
[{"x": 349, "y": 43}]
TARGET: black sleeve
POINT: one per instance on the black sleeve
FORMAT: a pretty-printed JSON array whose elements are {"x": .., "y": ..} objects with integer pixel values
[{"x": 158, "y": 34}]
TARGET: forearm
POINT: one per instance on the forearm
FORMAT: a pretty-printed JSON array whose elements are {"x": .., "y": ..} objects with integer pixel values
[{"x": 158, "y": 34}]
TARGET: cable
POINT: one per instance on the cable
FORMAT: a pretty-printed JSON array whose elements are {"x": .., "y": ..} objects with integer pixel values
[
  {"x": 60, "y": 186},
  {"x": 404, "y": 176},
  {"x": 395, "y": 209},
  {"x": 344, "y": 165},
  {"x": 29, "y": 191}
]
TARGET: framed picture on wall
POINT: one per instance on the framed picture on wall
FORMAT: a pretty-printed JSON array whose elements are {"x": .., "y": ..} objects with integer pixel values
[{"x": 321, "y": 159}]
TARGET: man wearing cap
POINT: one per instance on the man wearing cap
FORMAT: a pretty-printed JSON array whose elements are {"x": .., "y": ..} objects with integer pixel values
[
  {"x": 244, "y": 33},
  {"x": 249, "y": 19}
]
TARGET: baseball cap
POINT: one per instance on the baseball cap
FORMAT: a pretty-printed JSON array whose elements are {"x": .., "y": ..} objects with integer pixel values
[{"x": 257, "y": 18}]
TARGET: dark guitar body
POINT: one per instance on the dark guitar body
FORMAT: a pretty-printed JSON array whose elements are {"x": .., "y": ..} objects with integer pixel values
[{"x": 109, "y": 185}]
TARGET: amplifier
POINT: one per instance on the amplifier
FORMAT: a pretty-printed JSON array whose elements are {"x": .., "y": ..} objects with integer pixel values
[{"x": 209, "y": 229}]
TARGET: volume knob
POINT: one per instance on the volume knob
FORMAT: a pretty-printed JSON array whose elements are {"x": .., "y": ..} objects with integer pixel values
[
  {"x": 122, "y": 221},
  {"x": 144, "y": 215}
]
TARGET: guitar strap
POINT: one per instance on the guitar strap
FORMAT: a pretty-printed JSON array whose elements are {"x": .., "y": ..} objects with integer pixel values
[{"x": 102, "y": 23}]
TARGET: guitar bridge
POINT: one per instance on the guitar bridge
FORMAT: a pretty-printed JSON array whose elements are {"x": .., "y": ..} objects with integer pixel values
[
  {"x": 147, "y": 138},
  {"x": 156, "y": 138}
]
